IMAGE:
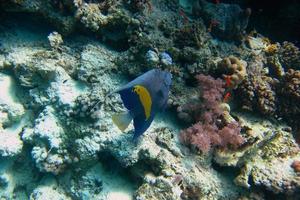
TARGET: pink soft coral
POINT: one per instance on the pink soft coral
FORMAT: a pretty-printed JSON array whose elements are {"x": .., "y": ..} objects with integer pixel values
[
  {"x": 211, "y": 93},
  {"x": 206, "y": 136},
  {"x": 210, "y": 131}
]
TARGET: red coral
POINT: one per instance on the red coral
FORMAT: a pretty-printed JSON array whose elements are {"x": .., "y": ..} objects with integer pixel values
[{"x": 210, "y": 131}]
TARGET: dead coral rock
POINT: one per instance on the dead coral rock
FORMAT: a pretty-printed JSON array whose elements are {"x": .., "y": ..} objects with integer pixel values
[
  {"x": 55, "y": 40},
  {"x": 265, "y": 158},
  {"x": 234, "y": 69},
  {"x": 90, "y": 15},
  {"x": 289, "y": 55}
]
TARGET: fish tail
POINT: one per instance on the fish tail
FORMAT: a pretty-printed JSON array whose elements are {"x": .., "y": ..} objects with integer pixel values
[{"x": 122, "y": 120}]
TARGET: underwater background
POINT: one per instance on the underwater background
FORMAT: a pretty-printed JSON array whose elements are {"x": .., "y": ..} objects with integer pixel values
[{"x": 230, "y": 125}]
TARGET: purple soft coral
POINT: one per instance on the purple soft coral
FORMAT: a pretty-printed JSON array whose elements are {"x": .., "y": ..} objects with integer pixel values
[{"x": 210, "y": 131}]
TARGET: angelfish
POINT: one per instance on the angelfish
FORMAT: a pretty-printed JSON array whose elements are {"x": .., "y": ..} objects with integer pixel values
[{"x": 143, "y": 98}]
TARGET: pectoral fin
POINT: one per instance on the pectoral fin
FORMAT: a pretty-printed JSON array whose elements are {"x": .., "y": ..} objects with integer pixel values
[{"x": 122, "y": 120}]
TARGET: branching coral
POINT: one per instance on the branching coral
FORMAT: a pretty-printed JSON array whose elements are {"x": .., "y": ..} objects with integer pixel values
[
  {"x": 258, "y": 93},
  {"x": 210, "y": 130},
  {"x": 289, "y": 55},
  {"x": 266, "y": 98},
  {"x": 290, "y": 94}
]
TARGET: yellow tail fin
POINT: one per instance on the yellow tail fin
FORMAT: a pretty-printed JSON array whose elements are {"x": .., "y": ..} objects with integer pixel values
[{"x": 122, "y": 120}]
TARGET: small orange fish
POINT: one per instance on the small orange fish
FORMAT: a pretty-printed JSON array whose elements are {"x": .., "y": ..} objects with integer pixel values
[
  {"x": 227, "y": 97},
  {"x": 228, "y": 81}
]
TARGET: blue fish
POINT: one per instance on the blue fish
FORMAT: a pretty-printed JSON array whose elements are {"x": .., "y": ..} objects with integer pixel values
[{"x": 143, "y": 97}]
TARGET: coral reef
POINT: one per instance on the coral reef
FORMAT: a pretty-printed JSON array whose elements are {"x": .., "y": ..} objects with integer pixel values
[
  {"x": 57, "y": 140},
  {"x": 272, "y": 92}
]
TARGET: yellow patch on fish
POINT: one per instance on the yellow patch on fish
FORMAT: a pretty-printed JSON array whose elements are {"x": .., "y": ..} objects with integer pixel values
[{"x": 145, "y": 99}]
